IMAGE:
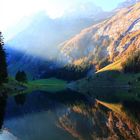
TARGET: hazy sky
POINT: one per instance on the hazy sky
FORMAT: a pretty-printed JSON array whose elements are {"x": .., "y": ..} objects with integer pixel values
[{"x": 12, "y": 11}]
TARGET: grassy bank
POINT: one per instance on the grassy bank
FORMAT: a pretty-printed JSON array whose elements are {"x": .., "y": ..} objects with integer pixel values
[{"x": 50, "y": 85}]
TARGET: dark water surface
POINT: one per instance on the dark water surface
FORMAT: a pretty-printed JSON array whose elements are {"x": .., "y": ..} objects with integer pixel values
[{"x": 68, "y": 115}]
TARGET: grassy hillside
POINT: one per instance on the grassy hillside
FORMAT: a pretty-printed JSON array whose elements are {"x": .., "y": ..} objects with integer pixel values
[
  {"x": 116, "y": 66},
  {"x": 115, "y": 71}
]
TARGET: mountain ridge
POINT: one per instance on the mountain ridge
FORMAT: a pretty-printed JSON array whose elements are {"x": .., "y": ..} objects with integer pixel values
[
  {"x": 109, "y": 39},
  {"x": 127, "y": 3},
  {"x": 41, "y": 35}
]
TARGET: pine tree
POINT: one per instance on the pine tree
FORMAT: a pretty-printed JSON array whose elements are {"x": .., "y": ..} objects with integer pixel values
[
  {"x": 21, "y": 77},
  {"x": 18, "y": 76},
  {"x": 3, "y": 64}
]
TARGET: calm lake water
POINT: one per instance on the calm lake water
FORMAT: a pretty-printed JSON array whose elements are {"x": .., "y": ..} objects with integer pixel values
[{"x": 67, "y": 115}]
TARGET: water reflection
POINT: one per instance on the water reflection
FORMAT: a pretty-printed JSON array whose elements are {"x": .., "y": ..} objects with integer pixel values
[
  {"x": 69, "y": 115},
  {"x": 3, "y": 99},
  {"x": 20, "y": 99},
  {"x": 132, "y": 109}
]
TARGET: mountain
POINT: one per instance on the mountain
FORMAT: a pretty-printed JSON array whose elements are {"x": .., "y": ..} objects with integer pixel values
[
  {"x": 127, "y": 3},
  {"x": 38, "y": 41},
  {"x": 106, "y": 41},
  {"x": 84, "y": 10},
  {"x": 34, "y": 66},
  {"x": 44, "y": 33}
]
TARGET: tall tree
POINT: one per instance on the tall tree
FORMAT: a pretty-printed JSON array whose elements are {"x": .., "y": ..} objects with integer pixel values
[
  {"x": 3, "y": 64},
  {"x": 21, "y": 77},
  {"x": 24, "y": 77}
]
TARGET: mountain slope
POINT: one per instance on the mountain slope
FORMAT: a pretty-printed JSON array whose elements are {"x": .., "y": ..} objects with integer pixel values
[
  {"x": 108, "y": 40},
  {"x": 34, "y": 66},
  {"x": 35, "y": 48},
  {"x": 128, "y": 3},
  {"x": 44, "y": 33}
]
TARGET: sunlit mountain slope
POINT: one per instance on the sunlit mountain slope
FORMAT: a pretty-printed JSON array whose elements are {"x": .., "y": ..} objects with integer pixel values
[{"x": 106, "y": 41}]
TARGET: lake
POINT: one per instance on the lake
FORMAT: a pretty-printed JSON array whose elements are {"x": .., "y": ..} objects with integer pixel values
[{"x": 68, "y": 115}]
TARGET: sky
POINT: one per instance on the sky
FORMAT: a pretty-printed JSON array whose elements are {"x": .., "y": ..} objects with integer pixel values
[{"x": 12, "y": 11}]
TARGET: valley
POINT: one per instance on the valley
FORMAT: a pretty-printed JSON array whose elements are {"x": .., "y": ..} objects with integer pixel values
[{"x": 75, "y": 76}]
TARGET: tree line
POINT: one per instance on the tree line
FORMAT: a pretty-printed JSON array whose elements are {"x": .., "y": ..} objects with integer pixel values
[
  {"x": 21, "y": 77},
  {"x": 132, "y": 63},
  {"x": 3, "y": 63},
  {"x": 69, "y": 72}
]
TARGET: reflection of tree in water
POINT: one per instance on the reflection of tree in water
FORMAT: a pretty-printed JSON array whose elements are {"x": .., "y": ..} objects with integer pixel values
[
  {"x": 132, "y": 109},
  {"x": 3, "y": 99},
  {"x": 20, "y": 99}
]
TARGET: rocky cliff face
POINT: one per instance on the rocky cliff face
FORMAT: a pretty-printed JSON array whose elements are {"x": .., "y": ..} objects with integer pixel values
[{"x": 109, "y": 39}]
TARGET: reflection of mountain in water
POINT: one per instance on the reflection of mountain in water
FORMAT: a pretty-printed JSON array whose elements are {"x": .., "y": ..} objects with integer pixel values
[
  {"x": 97, "y": 122},
  {"x": 69, "y": 116}
]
